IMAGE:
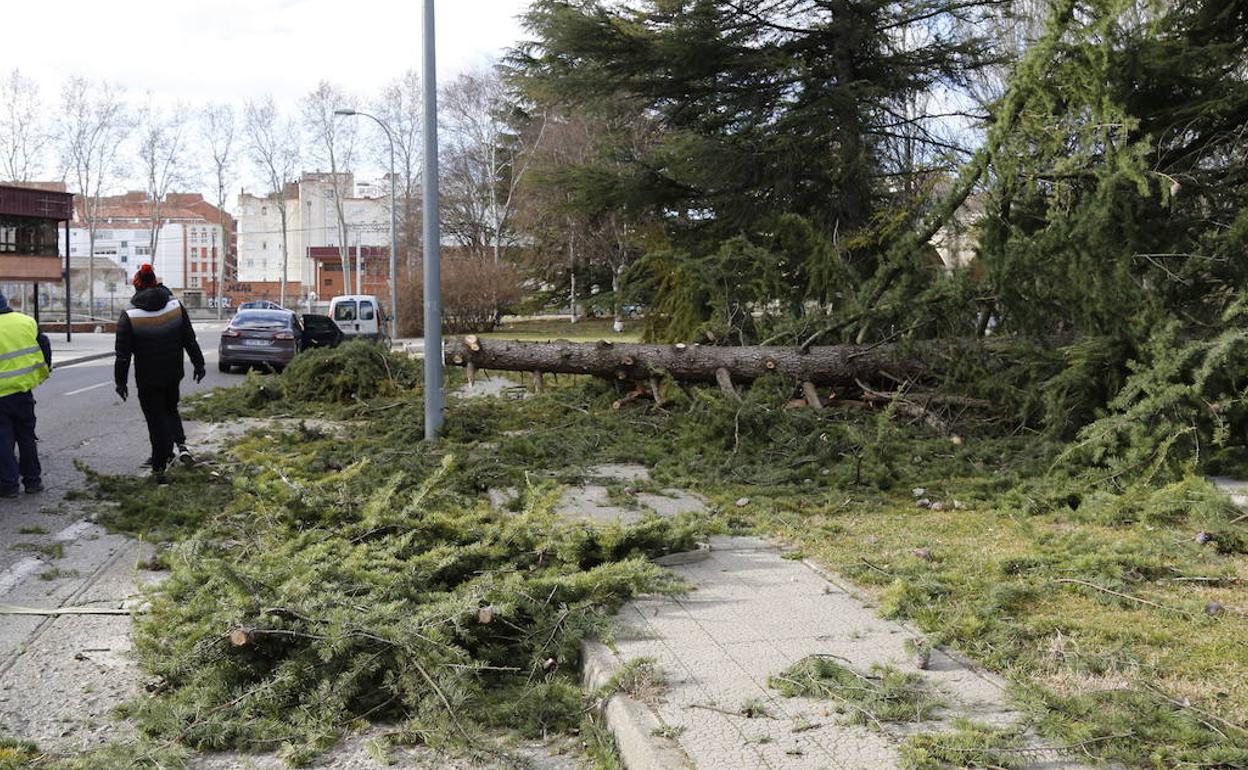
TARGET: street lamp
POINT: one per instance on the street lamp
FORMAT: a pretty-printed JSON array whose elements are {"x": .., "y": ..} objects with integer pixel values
[
  {"x": 394, "y": 279},
  {"x": 433, "y": 237}
]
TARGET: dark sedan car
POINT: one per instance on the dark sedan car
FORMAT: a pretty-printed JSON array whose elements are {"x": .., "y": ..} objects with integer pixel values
[{"x": 272, "y": 338}]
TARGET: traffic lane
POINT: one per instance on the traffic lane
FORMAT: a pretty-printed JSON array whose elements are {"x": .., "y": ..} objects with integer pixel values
[{"x": 81, "y": 419}]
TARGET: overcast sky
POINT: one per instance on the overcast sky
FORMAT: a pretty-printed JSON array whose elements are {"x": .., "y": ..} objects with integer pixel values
[
  {"x": 211, "y": 50},
  {"x": 231, "y": 50}
]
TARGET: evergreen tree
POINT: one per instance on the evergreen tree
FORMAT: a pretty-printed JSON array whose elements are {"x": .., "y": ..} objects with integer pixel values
[{"x": 767, "y": 111}]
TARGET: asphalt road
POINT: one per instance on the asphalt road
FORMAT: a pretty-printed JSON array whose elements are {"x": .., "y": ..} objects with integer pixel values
[{"x": 80, "y": 418}]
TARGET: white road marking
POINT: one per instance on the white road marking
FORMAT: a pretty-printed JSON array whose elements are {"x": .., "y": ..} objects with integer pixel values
[
  {"x": 13, "y": 576},
  {"x": 89, "y": 387}
]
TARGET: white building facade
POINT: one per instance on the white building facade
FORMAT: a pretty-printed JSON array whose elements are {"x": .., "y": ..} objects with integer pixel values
[{"x": 311, "y": 222}]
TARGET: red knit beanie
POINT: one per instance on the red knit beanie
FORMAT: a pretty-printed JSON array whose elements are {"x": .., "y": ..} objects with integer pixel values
[{"x": 145, "y": 278}]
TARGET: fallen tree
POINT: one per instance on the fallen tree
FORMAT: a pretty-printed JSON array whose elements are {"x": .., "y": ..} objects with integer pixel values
[{"x": 830, "y": 365}]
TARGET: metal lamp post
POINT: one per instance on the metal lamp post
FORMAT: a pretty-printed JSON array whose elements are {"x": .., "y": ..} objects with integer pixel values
[
  {"x": 433, "y": 237},
  {"x": 394, "y": 278}
]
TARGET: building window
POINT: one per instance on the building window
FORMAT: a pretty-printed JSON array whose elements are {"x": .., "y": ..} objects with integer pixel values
[
  {"x": 194, "y": 283},
  {"x": 29, "y": 236},
  {"x": 142, "y": 251},
  {"x": 125, "y": 244}
]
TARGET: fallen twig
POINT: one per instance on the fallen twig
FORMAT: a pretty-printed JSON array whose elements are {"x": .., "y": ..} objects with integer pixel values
[
  {"x": 1199, "y": 712},
  {"x": 878, "y": 569},
  {"x": 726, "y": 712},
  {"x": 1128, "y": 597}
]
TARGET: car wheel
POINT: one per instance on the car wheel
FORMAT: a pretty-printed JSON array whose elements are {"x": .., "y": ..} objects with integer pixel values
[{"x": 223, "y": 366}]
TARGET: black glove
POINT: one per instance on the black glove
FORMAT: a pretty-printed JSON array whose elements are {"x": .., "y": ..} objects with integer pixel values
[
  {"x": 123, "y": 391},
  {"x": 199, "y": 374}
]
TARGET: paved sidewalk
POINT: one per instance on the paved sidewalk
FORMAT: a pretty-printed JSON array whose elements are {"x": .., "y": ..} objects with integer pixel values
[
  {"x": 81, "y": 348},
  {"x": 751, "y": 614}
]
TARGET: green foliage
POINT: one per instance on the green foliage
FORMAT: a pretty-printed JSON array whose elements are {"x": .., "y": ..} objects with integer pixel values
[
  {"x": 1182, "y": 400},
  {"x": 969, "y": 746},
  {"x": 358, "y": 588},
  {"x": 883, "y": 695},
  {"x": 352, "y": 373}
]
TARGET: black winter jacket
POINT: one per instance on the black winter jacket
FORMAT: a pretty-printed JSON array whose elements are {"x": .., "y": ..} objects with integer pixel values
[{"x": 155, "y": 329}]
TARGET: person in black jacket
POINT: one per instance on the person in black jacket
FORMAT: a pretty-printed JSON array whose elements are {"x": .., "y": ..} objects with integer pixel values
[{"x": 155, "y": 330}]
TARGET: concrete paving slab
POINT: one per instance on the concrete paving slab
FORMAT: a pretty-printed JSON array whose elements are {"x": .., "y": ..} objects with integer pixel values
[
  {"x": 752, "y": 614},
  {"x": 592, "y": 503},
  {"x": 672, "y": 502},
  {"x": 619, "y": 472},
  {"x": 61, "y": 684}
]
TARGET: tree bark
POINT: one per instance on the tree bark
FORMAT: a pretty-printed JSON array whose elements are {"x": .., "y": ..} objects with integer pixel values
[{"x": 832, "y": 365}]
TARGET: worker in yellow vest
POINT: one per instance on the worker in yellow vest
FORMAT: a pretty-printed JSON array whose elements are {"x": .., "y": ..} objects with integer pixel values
[{"x": 25, "y": 362}]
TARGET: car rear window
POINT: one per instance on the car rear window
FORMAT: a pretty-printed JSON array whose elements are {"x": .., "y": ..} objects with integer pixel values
[
  {"x": 345, "y": 311},
  {"x": 261, "y": 319},
  {"x": 366, "y": 311}
]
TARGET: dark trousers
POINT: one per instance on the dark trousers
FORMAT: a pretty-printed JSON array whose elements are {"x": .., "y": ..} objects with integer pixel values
[
  {"x": 164, "y": 425},
  {"x": 17, "y": 430}
]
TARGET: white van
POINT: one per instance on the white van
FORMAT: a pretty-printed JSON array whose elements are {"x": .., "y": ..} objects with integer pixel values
[{"x": 359, "y": 316}]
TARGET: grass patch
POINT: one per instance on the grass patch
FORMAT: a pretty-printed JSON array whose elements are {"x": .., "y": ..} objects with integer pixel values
[
  {"x": 32, "y": 531},
  {"x": 15, "y": 754},
  {"x": 585, "y": 330},
  {"x": 56, "y": 573},
  {"x": 49, "y": 551},
  {"x": 882, "y": 695}
]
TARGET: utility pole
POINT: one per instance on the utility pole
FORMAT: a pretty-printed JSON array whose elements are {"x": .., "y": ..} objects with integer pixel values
[{"x": 433, "y": 237}]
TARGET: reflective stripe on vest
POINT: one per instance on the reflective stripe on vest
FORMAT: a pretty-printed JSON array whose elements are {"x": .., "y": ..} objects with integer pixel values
[{"x": 22, "y": 366}]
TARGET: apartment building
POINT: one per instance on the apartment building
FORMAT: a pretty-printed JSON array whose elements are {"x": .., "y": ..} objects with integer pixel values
[
  {"x": 194, "y": 237},
  {"x": 312, "y": 236}
]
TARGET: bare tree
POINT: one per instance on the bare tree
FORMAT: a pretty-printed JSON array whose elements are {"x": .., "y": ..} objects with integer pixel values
[
  {"x": 484, "y": 158},
  {"x": 216, "y": 128},
  {"x": 22, "y": 134},
  {"x": 273, "y": 144},
  {"x": 94, "y": 123},
  {"x": 334, "y": 142},
  {"x": 401, "y": 107},
  {"x": 164, "y": 159}
]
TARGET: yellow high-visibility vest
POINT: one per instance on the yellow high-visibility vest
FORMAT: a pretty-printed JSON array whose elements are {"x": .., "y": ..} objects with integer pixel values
[{"x": 22, "y": 366}]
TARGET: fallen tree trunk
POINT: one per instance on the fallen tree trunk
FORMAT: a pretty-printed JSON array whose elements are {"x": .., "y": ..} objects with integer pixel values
[{"x": 831, "y": 365}]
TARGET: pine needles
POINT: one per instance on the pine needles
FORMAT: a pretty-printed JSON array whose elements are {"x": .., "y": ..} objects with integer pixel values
[{"x": 882, "y": 695}]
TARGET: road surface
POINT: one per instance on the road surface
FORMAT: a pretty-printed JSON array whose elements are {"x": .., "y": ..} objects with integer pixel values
[{"x": 80, "y": 418}]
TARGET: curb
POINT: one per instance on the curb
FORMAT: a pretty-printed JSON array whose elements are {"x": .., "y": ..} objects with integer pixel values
[
  {"x": 631, "y": 723},
  {"x": 81, "y": 360}
]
